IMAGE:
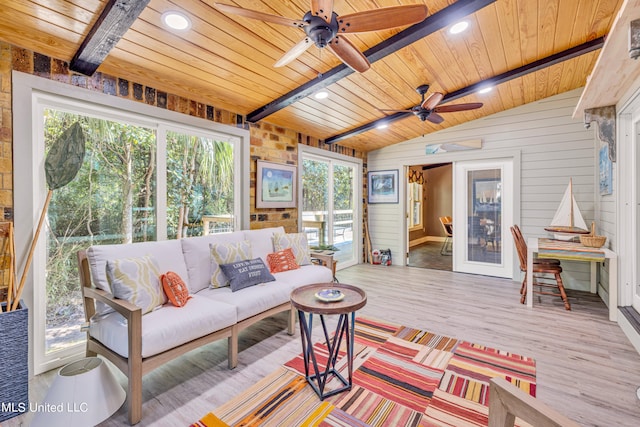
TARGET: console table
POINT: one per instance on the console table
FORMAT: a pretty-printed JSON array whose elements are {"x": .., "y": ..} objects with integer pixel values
[
  {"x": 304, "y": 299},
  {"x": 533, "y": 247}
]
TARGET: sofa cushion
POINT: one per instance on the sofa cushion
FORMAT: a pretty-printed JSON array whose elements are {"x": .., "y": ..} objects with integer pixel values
[
  {"x": 168, "y": 254},
  {"x": 305, "y": 275},
  {"x": 281, "y": 261},
  {"x": 262, "y": 241},
  {"x": 297, "y": 242},
  {"x": 197, "y": 257},
  {"x": 167, "y": 327},
  {"x": 244, "y": 274},
  {"x": 175, "y": 289},
  {"x": 226, "y": 253},
  {"x": 253, "y": 300},
  {"x": 136, "y": 280}
]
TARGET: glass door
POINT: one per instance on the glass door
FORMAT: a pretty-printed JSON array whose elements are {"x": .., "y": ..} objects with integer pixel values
[
  {"x": 483, "y": 206},
  {"x": 328, "y": 206}
]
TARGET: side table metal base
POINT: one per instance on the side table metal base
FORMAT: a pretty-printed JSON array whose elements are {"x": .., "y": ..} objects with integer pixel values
[{"x": 318, "y": 379}]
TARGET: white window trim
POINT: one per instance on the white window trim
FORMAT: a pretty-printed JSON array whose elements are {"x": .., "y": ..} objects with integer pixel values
[
  {"x": 30, "y": 187},
  {"x": 323, "y": 155}
]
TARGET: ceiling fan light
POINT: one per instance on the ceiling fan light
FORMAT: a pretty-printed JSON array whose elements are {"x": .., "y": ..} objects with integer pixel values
[
  {"x": 458, "y": 27},
  {"x": 486, "y": 89},
  {"x": 176, "y": 20},
  {"x": 323, "y": 94}
]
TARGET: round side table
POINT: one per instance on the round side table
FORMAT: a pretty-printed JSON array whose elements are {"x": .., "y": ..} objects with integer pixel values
[{"x": 305, "y": 300}]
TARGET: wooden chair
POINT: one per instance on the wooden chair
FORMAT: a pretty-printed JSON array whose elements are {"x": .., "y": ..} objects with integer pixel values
[
  {"x": 447, "y": 225},
  {"x": 542, "y": 269}
]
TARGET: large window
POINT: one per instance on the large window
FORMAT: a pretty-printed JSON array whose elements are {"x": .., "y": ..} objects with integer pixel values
[
  {"x": 144, "y": 177},
  {"x": 111, "y": 200},
  {"x": 330, "y": 215}
]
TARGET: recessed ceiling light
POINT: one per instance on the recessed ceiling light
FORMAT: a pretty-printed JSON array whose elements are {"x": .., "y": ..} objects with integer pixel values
[
  {"x": 486, "y": 89},
  {"x": 321, "y": 94},
  {"x": 382, "y": 126},
  {"x": 176, "y": 20},
  {"x": 458, "y": 27}
]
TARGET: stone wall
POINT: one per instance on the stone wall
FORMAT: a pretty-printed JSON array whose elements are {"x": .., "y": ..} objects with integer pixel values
[{"x": 268, "y": 142}]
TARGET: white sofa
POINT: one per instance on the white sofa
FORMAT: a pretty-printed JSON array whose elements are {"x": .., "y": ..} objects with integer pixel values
[{"x": 138, "y": 343}]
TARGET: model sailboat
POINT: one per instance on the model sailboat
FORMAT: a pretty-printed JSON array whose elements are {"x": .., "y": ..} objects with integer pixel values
[{"x": 568, "y": 223}]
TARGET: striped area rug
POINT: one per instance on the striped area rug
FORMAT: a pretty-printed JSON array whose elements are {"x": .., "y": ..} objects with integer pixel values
[{"x": 402, "y": 377}]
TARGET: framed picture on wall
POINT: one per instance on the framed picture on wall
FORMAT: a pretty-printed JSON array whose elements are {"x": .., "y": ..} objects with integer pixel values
[
  {"x": 605, "y": 171},
  {"x": 383, "y": 186},
  {"x": 275, "y": 185}
]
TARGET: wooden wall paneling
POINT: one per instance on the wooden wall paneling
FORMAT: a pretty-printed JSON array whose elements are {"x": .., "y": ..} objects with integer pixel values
[
  {"x": 567, "y": 10},
  {"x": 230, "y": 39},
  {"x": 166, "y": 81},
  {"x": 16, "y": 29},
  {"x": 488, "y": 24},
  {"x": 62, "y": 15},
  {"x": 200, "y": 72},
  {"x": 479, "y": 50},
  {"x": 528, "y": 25},
  {"x": 210, "y": 52},
  {"x": 508, "y": 19},
  {"x": 450, "y": 73}
]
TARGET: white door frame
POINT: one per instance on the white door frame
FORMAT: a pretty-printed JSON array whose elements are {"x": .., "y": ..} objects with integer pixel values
[
  {"x": 460, "y": 216},
  {"x": 514, "y": 155},
  {"x": 628, "y": 199}
]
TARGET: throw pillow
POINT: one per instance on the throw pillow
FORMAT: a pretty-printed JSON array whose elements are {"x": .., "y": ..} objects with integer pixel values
[
  {"x": 243, "y": 274},
  {"x": 281, "y": 261},
  {"x": 226, "y": 253},
  {"x": 298, "y": 244},
  {"x": 136, "y": 280},
  {"x": 175, "y": 288}
]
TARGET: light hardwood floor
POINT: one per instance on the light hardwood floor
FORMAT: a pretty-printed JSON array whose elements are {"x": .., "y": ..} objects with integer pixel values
[{"x": 586, "y": 367}]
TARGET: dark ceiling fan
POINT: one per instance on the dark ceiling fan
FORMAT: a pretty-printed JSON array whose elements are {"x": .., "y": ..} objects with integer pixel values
[
  {"x": 324, "y": 27},
  {"x": 428, "y": 108}
]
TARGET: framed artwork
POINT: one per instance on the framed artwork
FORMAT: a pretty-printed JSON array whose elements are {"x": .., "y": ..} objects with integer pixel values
[
  {"x": 383, "y": 186},
  {"x": 605, "y": 171},
  {"x": 275, "y": 185}
]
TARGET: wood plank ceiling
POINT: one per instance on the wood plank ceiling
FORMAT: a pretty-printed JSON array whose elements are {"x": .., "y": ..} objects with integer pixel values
[{"x": 227, "y": 61}]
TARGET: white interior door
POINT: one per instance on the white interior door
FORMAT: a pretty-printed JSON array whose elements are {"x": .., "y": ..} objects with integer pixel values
[{"x": 482, "y": 214}]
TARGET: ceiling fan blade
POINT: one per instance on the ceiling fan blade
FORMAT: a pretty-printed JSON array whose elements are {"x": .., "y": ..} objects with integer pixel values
[
  {"x": 457, "y": 107},
  {"x": 435, "y": 118},
  {"x": 322, "y": 8},
  {"x": 432, "y": 100},
  {"x": 382, "y": 19},
  {"x": 349, "y": 54},
  {"x": 253, "y": 14},
  {"x": 294, "y": 52}
]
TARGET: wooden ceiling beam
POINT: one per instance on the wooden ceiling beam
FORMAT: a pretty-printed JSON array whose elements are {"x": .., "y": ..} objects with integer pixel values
[
  {"x": 430, "y": 25},
  {"x": 115, "y": 19},
  {"x": 491, "y": 81}
]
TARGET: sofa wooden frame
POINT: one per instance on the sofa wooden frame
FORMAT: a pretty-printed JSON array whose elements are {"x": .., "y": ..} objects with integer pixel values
[{"x": 135, "y": 366}]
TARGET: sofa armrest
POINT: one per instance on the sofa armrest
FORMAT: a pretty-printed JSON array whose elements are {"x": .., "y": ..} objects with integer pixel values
[
  {"x": 124, "y": 307},
  {"x": 129, "y": 311}
]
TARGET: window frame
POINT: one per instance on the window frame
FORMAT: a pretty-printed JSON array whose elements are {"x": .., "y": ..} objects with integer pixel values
[{"x": 29, "y": 94}]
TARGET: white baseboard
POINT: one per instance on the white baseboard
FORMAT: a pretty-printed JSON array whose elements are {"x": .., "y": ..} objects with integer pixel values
[{"x": 425, "y": 239}]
